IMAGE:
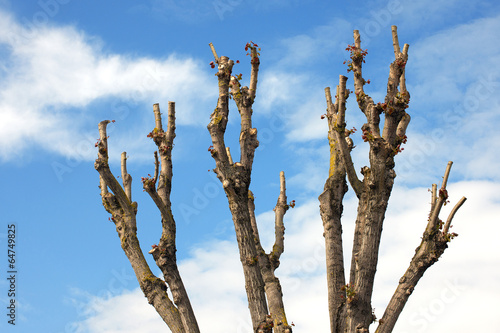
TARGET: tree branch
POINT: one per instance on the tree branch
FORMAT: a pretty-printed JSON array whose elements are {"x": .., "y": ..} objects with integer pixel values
[
  {"x": 331, "y": 212},
  {"x": 441, "y": 200},
  {"x": 123, "y": 215},
  {"x": 433, "y": 244},
  {"x": 269, "y": 262},
  {"x": 102, "y": 166},
  {"x": 279, "y": 227},
  {"x": 452, "y": 215},
  {"x": 165, "y": 253},
  {"x": 126, "y": 178},
  {"x": 219, "y": 118},
  {"x": 244, "y": 99},
  {"x": 235, "y": 179},
  {"x": 336, "y": 123},
  {"x": 396, "y": 101},
  {"x": 214, "y": 53}
]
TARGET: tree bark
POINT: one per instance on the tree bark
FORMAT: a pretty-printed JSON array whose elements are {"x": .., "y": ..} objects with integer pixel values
[
  {"x": 434, "y": 242},
  {"x": 374, "y": 190},
  {"x": 258, "y": 268},
  {"x": 179, "y": 317},
  {"x": 123, "y": 215},
  {"x": 331, "y": 209},
  {"x": 165, "y": 253},
  {"x": 235, "y": 179}
]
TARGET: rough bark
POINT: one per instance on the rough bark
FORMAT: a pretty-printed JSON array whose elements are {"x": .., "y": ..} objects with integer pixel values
[
  {"x": 165, "y": 253},
  {"x": 178, "y": 315},
  {"x": 331, "y": 212},
  {"x": 434, "y": 241},
  {"x": 258, "y": 268},
  {"x": 373, "y": 191},
  {"x": 269, "y": 262}
]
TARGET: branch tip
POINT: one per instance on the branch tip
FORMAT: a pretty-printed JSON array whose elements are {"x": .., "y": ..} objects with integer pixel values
[
  {"x": 446, "y": 174},
  {"x": 230, "y": 158},
  {"x": 395, "y": 40},
  {"x": 452, "y": 214},
  {"x": 156, "y": 110},
  {"x": 214, "y": 53}
]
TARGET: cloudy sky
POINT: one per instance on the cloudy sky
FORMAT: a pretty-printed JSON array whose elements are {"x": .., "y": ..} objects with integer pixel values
[{"x": 65, "y": 65}]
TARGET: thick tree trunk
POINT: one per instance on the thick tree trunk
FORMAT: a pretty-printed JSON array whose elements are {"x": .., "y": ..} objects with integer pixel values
[
  {"x": 374, "y": 190},
  {"x": 258, "y": 268}
]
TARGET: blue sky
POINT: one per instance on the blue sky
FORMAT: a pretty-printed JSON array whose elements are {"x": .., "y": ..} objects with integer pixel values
[{"x": 65, "y": 65}]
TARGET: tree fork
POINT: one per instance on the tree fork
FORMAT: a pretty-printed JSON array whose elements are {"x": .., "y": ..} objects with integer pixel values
[
  {"x": 123, "y": 215},
  {"x": 235, "y": 177},
  {"x": 373, "y": 191},
  {"x": 165, "y": 253}
]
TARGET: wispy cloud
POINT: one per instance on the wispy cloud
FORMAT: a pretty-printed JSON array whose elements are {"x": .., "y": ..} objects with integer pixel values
[{"x": 58, "y": 81}]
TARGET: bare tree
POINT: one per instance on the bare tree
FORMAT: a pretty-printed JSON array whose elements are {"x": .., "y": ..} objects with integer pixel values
[{"x": 349, "y": 303}]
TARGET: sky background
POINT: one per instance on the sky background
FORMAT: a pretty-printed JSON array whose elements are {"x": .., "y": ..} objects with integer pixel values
[{"x": 65, "y": 65}]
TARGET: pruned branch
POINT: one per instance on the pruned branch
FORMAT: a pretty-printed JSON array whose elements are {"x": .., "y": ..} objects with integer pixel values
[
  {"x": 434, "y": 243},
  {"x": 402, "y": 80},
  {"x": 268, "y": 263},
  {"x": 165, "y": 253},
  {"x": 255, "y": 71},
  {"x": 336, "y": 123},
  {"x": 214, "y": 53},
  {"x": 126, "y": 178},
  {"x": 447, "y": 225},
  {"x": 123, "y": 213},
  {"x": 331, "y": 212},
  {"x": 102, "y": 166},
  {"x": 440, "y": 202},
  {"x": 357, "y": 59},
  {"x": 279, "y": 227},
  {"x": 235, "y": 177},
  {"x": 219, "y": 117},
  {"x": 396, "y": 101}
]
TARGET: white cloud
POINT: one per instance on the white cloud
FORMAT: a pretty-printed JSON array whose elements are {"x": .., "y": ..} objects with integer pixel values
[
  {"x": 277, "y": 88},
  {"x": 106, "y": 315},
  {"x": 324, "y": 41},
  {"x": 55, "y": 78}
]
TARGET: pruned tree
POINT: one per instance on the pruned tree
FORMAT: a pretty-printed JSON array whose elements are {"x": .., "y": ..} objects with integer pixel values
[{"x": 349, "y": 303}]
